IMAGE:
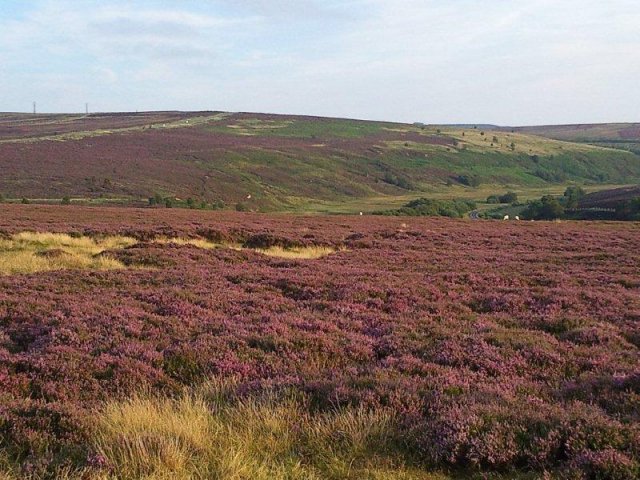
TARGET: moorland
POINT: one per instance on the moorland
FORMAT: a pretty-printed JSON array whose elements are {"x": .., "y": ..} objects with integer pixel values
[{"x": 196, "y": 344}]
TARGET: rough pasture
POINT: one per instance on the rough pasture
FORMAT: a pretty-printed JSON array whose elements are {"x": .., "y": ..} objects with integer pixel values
[{"x": 499, "y": 346}]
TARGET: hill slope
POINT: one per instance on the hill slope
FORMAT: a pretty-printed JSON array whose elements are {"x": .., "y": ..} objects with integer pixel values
[
  {"x": 279, "y": 161},
  {"x": 610, "y": 198},
  {"x": 615, "y": 135}
]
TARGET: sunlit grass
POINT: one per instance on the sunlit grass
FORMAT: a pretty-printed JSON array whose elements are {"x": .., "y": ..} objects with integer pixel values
[
  {"x": 30, "y": 252},
  {"x": 308, "y": 253},
  {"x": 204, "y": 437},
  {"x": 302, "y": 253},
  {"x": 196, "y": 242}
]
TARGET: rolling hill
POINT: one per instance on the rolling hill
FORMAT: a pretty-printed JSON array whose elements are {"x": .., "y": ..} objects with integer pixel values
[
  {"x": 610, "y": 198},
  {"x": 613, "y": 135},
  {"x": 277, "y": 162}
]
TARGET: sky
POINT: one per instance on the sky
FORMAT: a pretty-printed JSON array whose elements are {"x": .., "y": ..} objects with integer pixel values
[{"x": 507, "y": 62}]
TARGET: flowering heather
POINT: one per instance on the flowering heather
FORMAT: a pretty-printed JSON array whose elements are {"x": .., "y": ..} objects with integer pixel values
[{"x": 498, "y": 345}]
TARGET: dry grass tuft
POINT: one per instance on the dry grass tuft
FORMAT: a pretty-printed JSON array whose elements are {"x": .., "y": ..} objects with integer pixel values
[
  {"x": 302, "y": 253},
  {"x": 30, "y": 252},
  {"x": 206, "y": 437},
  {"x": 308, "y": 253}
]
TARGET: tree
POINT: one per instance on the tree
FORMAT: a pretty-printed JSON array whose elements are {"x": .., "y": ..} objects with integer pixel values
[
  {"x": 629, "y": 210},
  {"x": 168, "y": 202},
  {"x": 25, "y": 201},
  {"x": 218, "y": 205},
  {"x": 1, "y": 198},
  {"x": 156, "y": 199},
  {"x": 572, "y": 196},
  {"x": 66, "y": 200},
  {"x": 191, "y": 203},
  {"x": 547, "y": 208},
  {"x": 509, "y": 197}
]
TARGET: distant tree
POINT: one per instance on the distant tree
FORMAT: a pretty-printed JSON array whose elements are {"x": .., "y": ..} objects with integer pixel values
[
  {"x": 482, "y": 133},
  {"x": 157, "y": 199},
  {"x": 513, "y": 146},
  {"x": 191, "y": 203},
  {"x": 509, "y": 197},
  {"x": 438, "y": 131},
  {"x": 572, "y": 196},
  {"x": 431, "y": 207},
  {"x": 241, "y": 207},
  {"x": 218, "y": 205},
  {"x": 629, "y": 210},
  {"x": 66, "y": 200},
  {"x": 493, "y": 199},
  {"x": 203, "y": 205},
  {"x": 25, "y": 201},
  {"x": 547, "y": 208},
  {"x": 168, "y": 202},
  {"x": 1, "y": 198}
]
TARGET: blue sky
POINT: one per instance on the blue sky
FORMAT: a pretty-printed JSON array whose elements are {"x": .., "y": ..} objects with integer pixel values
[{"x": 511, "y": 62}]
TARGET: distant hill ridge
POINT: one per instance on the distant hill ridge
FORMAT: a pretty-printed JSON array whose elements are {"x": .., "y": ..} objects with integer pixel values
[{"x": 282, "y": 162}]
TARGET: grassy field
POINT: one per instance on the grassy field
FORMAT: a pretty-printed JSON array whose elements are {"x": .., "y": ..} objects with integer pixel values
[{"x": 443, "y": 192}]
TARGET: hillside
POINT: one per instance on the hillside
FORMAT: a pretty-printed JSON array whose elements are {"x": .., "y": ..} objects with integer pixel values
[
  {"x": 610, "y": 198},
  {"x": 616, "y": 135},
  {"x": 273, "y": 162}
]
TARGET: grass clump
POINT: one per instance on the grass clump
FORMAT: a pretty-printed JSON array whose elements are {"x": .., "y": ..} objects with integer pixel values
[
  {"x": 277, "y": 251},
  {"x": 197, "y": 437},
  {"x": 30, "y": 252}
]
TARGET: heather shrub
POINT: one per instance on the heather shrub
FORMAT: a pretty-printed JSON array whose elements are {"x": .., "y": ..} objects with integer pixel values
[
  {"x": 266, "y": 240},
  {"x": 605, "y": 465},
  {"x": 491, "y": 349}
]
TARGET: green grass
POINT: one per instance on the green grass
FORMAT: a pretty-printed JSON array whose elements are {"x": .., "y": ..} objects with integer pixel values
[{"x": 298, "y": 128}]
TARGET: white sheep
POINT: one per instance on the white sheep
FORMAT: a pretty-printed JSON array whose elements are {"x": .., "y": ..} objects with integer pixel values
[
  {"x": 517, "y": 217},
  {"x": 506, "y": 217}
]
